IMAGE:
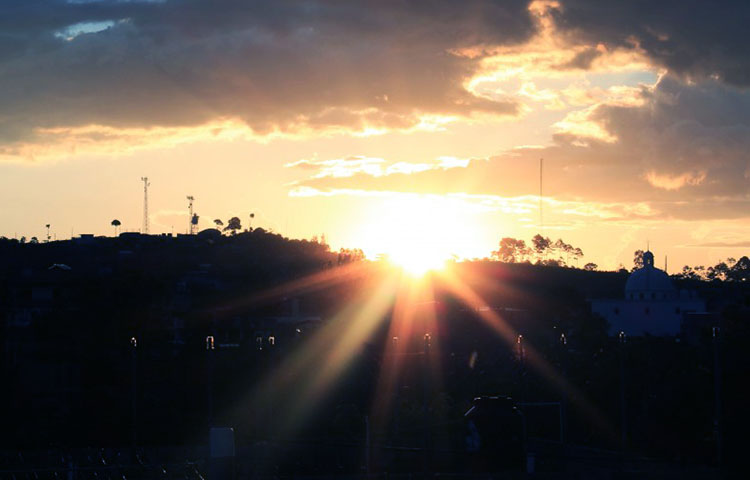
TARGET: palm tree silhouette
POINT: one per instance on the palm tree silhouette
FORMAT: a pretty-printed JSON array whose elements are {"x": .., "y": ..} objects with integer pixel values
[{"x": 116, "y": 223}]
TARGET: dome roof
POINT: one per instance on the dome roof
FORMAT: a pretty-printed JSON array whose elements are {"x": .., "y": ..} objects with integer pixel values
[{"x": 648, "y": 282}]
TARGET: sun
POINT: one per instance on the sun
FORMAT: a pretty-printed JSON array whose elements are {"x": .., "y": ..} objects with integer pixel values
[
  {"x": 418, "y": 233},
  {"x": 417, "y": 261}
]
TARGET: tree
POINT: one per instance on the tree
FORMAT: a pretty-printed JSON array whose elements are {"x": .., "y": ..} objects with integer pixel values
[
  {"x": 541, "y": 245},
  {"x": 233, "y": 224},
  {"x": 511, "y": 250},
  {"x": 116, "y": 223},
  {"x": 718, "y": 272},
  {"x": 561, "y": 248},
  {"x": 638, "y": 259},
  {"x": 34, "y": 240},
  {"x": 688, "y": 273},
  {"x": 559, "y": 253},
  {"x": 218, "y": 223},
  {"x": 577, "y": 254},
  {"x": 729, "y": 271},
  {"x": 590, "y": 266},
  {"x": 347, "y": 255},
  {"x": 740, "y": 271}
]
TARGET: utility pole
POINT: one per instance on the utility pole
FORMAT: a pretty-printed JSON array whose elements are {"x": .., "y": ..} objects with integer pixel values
[
  {"x": 521, "y": 355},
  {"x": 426, "y": 418},
  {"x": 564, "y": 370},
  {"x": 210, "y": 352},
  {"x": 145, "y": 205}
]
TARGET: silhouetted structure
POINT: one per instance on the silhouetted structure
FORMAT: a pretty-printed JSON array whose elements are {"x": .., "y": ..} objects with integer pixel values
[{"x": 652, "y": 304}]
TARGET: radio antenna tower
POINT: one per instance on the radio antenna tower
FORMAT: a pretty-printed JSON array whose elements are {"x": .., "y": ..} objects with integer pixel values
[
  {"x": 145, "y": 204},
  {"x": 190, "y": 207}
]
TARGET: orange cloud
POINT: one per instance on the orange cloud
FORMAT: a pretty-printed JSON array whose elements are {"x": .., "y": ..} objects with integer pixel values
[
  {"x": 373, "y": 167},
  {"x": 675, "y": 182}
]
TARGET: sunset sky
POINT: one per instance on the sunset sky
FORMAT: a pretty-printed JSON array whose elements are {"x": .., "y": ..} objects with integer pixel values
[{"x": 383, "y": 122}]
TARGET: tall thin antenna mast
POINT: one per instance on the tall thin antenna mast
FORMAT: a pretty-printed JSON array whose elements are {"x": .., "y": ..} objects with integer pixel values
[
  {"x": 190, "y": 208},
  {"x": 145, "y": 204},
  {"x": 541, "y": 215}
]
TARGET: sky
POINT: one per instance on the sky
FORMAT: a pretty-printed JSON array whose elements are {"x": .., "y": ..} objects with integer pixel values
[{"x": 384, "y": 123}]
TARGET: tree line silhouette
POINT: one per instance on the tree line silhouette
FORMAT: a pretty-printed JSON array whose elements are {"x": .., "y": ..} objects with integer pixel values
[
  {"x": 541, "y": 251},
  {"x": 730, "y": 270}
]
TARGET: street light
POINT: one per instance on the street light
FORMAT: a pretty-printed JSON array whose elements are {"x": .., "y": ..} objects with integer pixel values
[
  {"x": 521, "y": 354},
  {"x": 564, "y": 401},
  {"x": 209, "y": 380},
  {"x": 426, "y": 420}
]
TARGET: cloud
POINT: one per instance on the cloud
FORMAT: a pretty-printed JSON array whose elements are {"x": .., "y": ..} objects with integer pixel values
[
  {"x": 560, "y": 214},
  {"x": 371, "y": 167},
  {"x": 675, "y": 182},
  {"x": 342, "y": 167},
  {"x": 693, "y": 39},
  {"x": 273, "y": 67},
  {"x": 675, "y": 150},
  {"x": 738, "y": 244},
  {"x": 551, "y": 54},
  {"x": 680, "y": 134}
]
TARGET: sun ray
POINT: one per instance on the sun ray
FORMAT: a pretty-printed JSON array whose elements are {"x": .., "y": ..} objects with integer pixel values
[
  {"x": 406, "y": 323},
  {"x": 469, "y": 297},
  {"x": 301, "y": 381}
]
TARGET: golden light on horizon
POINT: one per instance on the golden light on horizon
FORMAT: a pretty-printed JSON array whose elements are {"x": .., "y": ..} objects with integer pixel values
[
  {"x": 417, "y": 263},
  {"x": 419, "y": 233}
]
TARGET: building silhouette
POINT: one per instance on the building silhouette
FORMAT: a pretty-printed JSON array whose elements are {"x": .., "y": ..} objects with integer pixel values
[{"x": 652, "y": 305}]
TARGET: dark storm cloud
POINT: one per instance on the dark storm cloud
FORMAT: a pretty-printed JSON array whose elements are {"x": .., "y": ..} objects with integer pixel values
[
  {"x": 695, "y": 38},
  {"x": 276, "y": 66},
  {"x": 582, "y": 60},
  {"x": 698, "y": 130}
]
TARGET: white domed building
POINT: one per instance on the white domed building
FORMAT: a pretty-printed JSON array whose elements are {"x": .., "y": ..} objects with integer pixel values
[{"x": 652, "y": 304}]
